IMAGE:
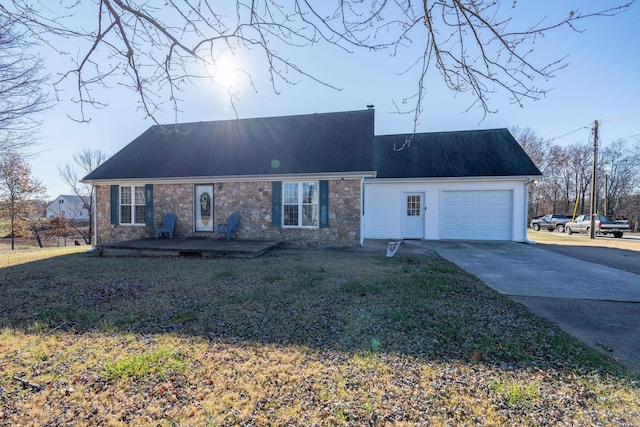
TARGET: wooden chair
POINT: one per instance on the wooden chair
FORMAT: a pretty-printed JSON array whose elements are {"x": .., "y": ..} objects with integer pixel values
[
  {"x": 230, "y": 227},
  {"x": 167, "y": 225}
]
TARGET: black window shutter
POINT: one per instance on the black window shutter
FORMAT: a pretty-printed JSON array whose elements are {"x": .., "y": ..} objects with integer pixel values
[
  {"x": 324, "y": 204},
  {"x": 276, "y": 203},
  {"x": 115, "y": 198},
  {"x": 148, "y": 210}
]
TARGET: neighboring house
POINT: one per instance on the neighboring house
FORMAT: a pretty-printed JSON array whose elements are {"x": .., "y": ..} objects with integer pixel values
[
  {"x": 317, "y": 179},
  {"x": 72, "y": 208}
]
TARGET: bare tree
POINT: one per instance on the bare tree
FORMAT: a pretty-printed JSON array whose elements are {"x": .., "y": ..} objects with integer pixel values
[
  {"x": 87, "y": 161},
  {"x": 17, "y": 189},
  {"x": 158, "y": 48},
  {"x": 555, "y": 182},
  {"x": 60, "y": 227},
  {"x": 619, "y": 172},
  {"x": 567, "y": 176},
  {"x": 578, "y": 164},
  {"x": 21, "y": 94},
  {"x": 537, "y": 148}
]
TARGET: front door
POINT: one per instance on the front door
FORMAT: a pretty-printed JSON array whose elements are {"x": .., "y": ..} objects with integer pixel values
[
  {"x": 413, "y": 216},
  {"x": 203, "y": 207}
]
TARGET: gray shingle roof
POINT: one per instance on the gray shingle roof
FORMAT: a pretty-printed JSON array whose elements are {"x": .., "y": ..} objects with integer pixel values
[
  {"x": 452, "y": 154},
  {"x": 313, "y": 143},
  {"x": 72, "y": 198}
]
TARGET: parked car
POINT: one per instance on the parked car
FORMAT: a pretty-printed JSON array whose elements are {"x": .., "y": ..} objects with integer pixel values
[
  {"x": 603, "y": 225},
  {"x": 550, "y": 222}
]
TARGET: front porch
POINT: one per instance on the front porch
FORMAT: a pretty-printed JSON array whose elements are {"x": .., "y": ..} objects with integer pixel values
[{"x": 189, "y": 247}]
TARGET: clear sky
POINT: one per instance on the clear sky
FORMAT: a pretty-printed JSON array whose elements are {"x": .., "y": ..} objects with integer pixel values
[{"x": 600, "y": 82}]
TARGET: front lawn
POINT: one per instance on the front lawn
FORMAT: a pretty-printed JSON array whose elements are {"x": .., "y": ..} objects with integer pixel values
[{"x": 297, "y": 337}]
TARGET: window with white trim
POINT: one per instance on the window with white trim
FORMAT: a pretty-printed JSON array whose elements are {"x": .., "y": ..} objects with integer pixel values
[
  {"x": 132, "y": 205},
  {"x": 300, "y": 204}
]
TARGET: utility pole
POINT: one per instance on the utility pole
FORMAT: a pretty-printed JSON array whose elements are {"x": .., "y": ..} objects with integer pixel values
[
  {"x": 592, "y": 210},
  {"x": 606, "y": 187}
]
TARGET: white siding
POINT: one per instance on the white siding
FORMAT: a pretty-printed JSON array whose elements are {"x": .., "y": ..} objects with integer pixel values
[
  {"x": 382, "y": 212},
  {"x": 70, "y": 207},
  {"x": 383, "y": 205}
]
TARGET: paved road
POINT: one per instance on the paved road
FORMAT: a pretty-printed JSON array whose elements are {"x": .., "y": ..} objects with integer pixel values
[
  {"x": 621, "y": 259},
  {"x": 598, "y": 304}
]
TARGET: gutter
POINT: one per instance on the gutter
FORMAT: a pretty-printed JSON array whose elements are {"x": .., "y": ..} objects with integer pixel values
[
  {"x": 228, "y": 178},
  {"x": 526, "y": 207},
  {"x": 530, "y": 178}
]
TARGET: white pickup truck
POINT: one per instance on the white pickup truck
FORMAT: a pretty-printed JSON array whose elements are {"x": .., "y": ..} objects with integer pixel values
[{"x": 603, "y": 224}]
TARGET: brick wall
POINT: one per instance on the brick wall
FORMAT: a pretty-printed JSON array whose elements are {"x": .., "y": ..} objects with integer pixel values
[{"x": 252, "y": 200}]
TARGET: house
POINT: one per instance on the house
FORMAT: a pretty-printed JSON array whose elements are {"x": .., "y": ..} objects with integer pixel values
[
  {"x": 316, "y": 179},
  {"x": 469, "y": 185},
  {"x": 73, "y": 208}
]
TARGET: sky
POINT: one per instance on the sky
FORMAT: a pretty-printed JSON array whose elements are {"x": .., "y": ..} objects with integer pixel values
[{"x": 599, "y": 83}]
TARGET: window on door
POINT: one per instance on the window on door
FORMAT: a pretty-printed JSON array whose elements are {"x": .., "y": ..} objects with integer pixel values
[{"x": 413, "y": 205}]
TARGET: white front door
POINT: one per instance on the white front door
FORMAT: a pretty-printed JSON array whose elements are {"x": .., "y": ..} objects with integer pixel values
[
  {"x": 203, "y": 207},
  {"x": 413, "y": 216}
]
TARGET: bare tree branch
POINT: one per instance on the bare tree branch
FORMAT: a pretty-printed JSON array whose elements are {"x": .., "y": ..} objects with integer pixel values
[
  {"x": 21, "y": 90},
  {"x": 86, "y": 162},
  {"x": 17, "y": 189},
  {"x": 473, "y": 44}
]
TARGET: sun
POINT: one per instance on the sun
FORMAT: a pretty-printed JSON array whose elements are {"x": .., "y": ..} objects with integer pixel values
[{"x": 225, "y": 72}]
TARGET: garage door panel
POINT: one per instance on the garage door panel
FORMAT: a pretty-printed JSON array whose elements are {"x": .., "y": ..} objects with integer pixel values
[
  {"x": 484, "y": 196},
  {"x": 504, "y": 196},
  {"x": 485, "y": 221},
  {"x": 476, "y": 215},
  {"x": 483, "y": 209}
]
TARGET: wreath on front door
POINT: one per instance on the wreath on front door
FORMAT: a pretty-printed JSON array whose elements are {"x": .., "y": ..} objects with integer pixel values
[{"x": 205, "y": 207}]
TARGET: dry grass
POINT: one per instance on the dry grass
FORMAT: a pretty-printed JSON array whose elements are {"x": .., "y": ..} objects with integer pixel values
[
  {"x": 583, "y": 240},
  {"x": 294, "y": 338},
  {"x": 27, "y": 254}
]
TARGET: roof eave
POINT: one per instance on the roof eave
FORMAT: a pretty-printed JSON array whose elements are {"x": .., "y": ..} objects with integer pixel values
[
  {"x": 527, "y": 178},
  {"x": 233, "y": 178}
]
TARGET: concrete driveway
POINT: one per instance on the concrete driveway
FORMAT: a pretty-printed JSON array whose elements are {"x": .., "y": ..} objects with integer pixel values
[{"x": 598, "y": 304}]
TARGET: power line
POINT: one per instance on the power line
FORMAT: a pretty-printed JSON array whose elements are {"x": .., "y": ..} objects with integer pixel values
[
  {"x": 617, "y": 118},
  {"x": 624, "y": 116},
  {"x": 623, "y": 138},
  {"x": 569, "y": 133},
  {"x": 607, "y": 120}
]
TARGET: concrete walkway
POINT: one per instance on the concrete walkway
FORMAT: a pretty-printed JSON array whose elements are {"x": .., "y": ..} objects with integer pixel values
[{"x": 597, "y": 304}]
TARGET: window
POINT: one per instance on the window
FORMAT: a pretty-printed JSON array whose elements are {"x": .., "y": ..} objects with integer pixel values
[
  {"x": 132, "y": 205},
  {"x": 300, "y": 204},
  {"x": 413, "y": 205}
]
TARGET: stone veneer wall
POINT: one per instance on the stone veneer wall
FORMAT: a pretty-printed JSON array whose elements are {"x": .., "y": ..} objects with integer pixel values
[{"x": 252, "y": 200}]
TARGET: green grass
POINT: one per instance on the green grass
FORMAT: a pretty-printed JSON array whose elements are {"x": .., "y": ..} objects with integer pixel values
[
  {"x": 294, "y": 338},
  {"x": 517, "y": 394},
  {"x": 158, "y": 362}
]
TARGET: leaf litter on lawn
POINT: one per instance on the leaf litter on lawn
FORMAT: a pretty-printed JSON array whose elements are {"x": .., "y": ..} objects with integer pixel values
[{"x": 301, "y": 337}]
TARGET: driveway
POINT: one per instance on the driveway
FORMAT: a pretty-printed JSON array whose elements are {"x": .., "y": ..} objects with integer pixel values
[{"x": 598, "y": 304}]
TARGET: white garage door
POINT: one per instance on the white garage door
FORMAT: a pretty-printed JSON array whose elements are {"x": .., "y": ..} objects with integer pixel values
[{"x": 476, "y": 215}]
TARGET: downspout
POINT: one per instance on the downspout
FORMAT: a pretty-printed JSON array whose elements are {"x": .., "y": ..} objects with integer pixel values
[
  {"x": 526, "y": 209},
  {"x": 362, "y": 211},
  {"x": 94, "y": 196}
]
